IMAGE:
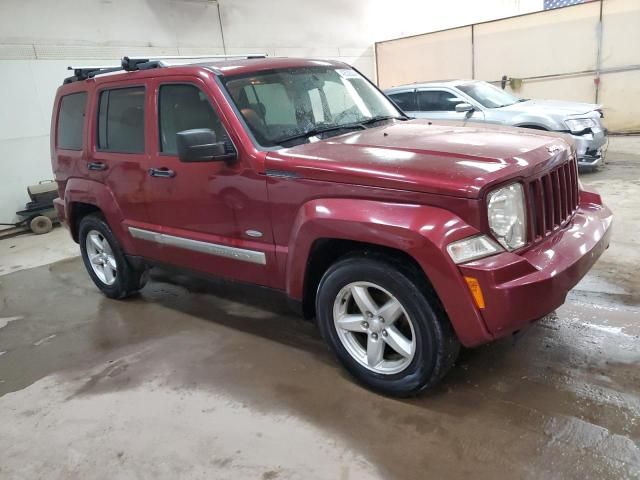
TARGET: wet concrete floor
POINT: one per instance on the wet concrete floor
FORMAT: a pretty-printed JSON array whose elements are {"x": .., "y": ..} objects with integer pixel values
[{"x": 195, "y": 379}]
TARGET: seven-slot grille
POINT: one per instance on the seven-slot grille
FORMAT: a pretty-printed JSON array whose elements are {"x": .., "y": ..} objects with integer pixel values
[{"x": 552, "y": 199}]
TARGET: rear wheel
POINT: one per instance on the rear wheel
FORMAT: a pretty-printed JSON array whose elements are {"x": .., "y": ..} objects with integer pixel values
[
  {"x": 105, "y": 260},
  {"x": 383, "y": 326}
]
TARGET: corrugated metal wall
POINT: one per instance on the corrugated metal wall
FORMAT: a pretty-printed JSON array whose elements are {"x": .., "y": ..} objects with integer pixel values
[{"x": 559, "y": 54}]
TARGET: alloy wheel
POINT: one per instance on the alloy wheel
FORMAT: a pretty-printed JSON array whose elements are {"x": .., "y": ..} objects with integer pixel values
[
  {"x": 374, "y": 327},
  {"x": 101, "y": 257}
]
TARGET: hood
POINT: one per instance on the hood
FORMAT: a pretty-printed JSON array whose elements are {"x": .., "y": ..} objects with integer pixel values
[
  {"x": 442, "y": 158},
  {"x": 553, "y": 107}
]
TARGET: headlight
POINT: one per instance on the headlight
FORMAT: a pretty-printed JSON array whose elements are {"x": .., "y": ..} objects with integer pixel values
[
  {"x": 472, "y": 248},
  {"x": 507, "y": 219},
  {"x": 577, "y": 125}
]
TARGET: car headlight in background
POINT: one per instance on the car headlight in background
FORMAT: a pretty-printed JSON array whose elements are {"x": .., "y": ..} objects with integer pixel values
[
  {"x": 507, "y": 218},
  {"x": 472, "y": 248},
  {"x": 578, "y": 125}
]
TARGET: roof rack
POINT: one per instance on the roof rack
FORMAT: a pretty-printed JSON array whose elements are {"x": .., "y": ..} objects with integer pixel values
[
  {"x": 131, "y": 64},
  {"x": 143, "y": 63},
  {"x": 84, "y": 72}
]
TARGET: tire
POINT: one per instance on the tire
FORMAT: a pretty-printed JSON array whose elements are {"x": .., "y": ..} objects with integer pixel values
[
  {"x": 113, "y": 275},
  {"x": 40, "y": 225},
  {"x": 422, "y": 321}
]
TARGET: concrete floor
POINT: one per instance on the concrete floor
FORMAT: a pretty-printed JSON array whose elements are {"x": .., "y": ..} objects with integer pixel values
[
  {"x": 196, "y": 379},
  {"x": 28, "y": 251}
]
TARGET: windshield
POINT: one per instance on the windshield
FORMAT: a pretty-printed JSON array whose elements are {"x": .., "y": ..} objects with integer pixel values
[
  {"x": 294, "y": 104},
  {"x": 488, "y": 95}
]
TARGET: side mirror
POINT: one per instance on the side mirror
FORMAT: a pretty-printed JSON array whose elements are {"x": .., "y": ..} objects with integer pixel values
[
  {"x": 464, "y": 107},
  {"x": 200, "y": 145}
]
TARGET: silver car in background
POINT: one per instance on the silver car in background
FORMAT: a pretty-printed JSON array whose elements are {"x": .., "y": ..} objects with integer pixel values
[{"x": 478, "y": 101}]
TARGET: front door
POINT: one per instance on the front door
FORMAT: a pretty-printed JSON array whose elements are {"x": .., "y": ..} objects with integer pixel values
[{"x": 209, "y": 216}]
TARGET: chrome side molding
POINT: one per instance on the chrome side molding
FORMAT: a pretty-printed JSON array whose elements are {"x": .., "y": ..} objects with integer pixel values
[{"x": 244, "y": 255}]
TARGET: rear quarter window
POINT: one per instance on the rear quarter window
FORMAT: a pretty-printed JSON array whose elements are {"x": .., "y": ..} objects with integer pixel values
[{"x": 71, "y": 121}]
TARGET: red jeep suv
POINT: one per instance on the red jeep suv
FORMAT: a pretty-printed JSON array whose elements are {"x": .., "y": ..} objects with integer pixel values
[{"x": 403, "y": 238}]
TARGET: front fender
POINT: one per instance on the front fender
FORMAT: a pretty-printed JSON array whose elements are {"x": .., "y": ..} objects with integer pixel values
[
  {"x": 98, "y": 194},
  {"x": 421, "y": 231}
]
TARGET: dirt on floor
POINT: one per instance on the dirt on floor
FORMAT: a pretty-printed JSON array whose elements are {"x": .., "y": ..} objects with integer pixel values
[{"x": 206, "y": 379}]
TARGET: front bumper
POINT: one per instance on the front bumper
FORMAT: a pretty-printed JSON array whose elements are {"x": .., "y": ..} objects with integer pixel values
[
  {"x": 521, "y": 288},
  {"x": 590, "y": 147}
]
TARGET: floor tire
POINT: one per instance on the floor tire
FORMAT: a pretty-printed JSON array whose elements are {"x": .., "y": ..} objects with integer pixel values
[
  {"x": 402, "y": 369},
  {"x": 105, "y": 261},
  {"x": 41, "y": 225}
]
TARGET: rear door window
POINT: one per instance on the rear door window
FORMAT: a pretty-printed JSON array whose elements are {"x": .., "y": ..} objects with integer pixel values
[
  {"x": 71, "y": 121},
  {"x": 437, "y": 101},
  {"x": 121, "y": 120},
  {"x": 405, "y": 100}
]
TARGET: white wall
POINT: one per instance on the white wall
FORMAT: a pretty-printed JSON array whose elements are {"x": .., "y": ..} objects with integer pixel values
[{"x": 39, "y": 38}]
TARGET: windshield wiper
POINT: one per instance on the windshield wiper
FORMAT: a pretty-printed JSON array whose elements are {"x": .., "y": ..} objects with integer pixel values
[
  {"x": 312, "y": 132},
  {"x": 509, "y": 104},
  {"x": 379, "y": 118}
]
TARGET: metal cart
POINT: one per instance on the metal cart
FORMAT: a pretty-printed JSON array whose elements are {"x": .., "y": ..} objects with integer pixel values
[{"x": 39, "y": 214}]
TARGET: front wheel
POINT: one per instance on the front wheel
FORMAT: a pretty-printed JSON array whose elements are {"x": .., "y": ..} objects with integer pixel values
[
  {"x": 384, "y": 326},
  {"x": 105, "y": 260}
]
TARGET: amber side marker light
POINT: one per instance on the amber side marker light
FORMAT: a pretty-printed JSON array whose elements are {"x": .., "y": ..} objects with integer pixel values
[{"x": 476, "y": 291}]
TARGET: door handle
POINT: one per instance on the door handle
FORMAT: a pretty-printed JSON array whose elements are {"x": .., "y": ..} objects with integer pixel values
[
  {"x": 98, "y": 166},
  {"x": 162, "y": 172}
]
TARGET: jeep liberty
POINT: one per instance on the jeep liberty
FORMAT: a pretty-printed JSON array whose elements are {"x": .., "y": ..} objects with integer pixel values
[{"x": 403, "y": 238}]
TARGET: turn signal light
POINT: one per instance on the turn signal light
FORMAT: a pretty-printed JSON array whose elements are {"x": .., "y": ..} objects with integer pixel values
[{"x": 476, "y": 291}]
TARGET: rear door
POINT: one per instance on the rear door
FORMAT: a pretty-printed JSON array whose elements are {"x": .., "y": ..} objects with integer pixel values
[
  {"x": 119, "y": 157},
  {"x": 440, "y": 104},
  {"x": 213, "y": 215}
]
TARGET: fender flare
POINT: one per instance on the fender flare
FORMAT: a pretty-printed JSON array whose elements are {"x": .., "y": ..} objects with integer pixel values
[
  {"x": 533, "y": 125},
  {"x": 542, "y": 122},
  {"x": 95, "y": 193},
  {"x": 421, "y": 231}
]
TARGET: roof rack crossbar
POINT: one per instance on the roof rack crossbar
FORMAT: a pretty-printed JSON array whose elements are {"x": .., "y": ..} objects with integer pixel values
[
  {"x": 131, "y": 64},
  {"x": 84, "y": 72}
]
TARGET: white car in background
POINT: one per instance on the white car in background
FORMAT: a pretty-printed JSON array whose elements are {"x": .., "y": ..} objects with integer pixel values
[{"x": 480, "y": 101}]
